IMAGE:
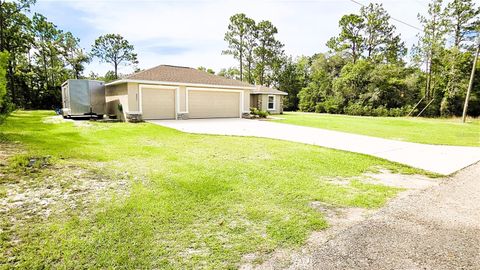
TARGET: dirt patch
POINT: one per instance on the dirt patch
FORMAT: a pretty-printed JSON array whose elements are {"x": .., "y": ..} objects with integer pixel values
[
  {"x": 7, "y": 150},
  {"x": 388, "y": 178},
  {"x": 35, "y": 189},
  {"x": 59, "y": 189},
  {"x": 58, "y": 119},
  {"x": 338, "y": 218}
]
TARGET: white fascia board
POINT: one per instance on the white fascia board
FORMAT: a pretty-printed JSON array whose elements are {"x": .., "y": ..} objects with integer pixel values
[
  {"x": 269, "y": 93},
  {"x": 180, "y": 83}
]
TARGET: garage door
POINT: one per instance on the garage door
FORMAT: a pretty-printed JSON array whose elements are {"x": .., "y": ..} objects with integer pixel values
[
  {"x": 158, "y": 103},
  {"x": 213, "y": 104}
]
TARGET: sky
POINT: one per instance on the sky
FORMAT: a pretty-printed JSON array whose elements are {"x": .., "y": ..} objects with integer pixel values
[{"x": 190, "y": 33}]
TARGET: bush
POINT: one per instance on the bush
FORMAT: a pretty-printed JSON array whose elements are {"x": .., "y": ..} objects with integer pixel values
[
  {"x": 355, "y": 109},
  {"x": 359, "y": 109},
  {"x": 259, "y": 113},
  {"x": 330, "y": 105},
  {"x": 380, "y": 111}
]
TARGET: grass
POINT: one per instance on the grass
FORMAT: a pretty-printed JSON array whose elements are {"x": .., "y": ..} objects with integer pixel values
[
  {"x": 194, "y": 201},
  {"x": 421, "y": 130}
]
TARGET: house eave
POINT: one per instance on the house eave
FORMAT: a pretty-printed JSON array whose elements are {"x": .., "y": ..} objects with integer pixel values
[
  {"x": 269, "y": 93},
  {"x": 179, "y": 83}
]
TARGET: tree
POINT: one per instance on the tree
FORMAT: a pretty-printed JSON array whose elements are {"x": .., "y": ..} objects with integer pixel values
[
  {"x": 9, "y": 13},
  {"x": 114, "y": 49},
  {"x": 461, "y": 16},
  {"x": 110, "y": 76},
  {"x": 3, "y": 80},
  {"x": 231, "y": 73},
  {"x": 47, "y": 37},
  {"x": 320, "y": 83},
  {"x": 251, "y": 43},
  {"x": 206, "y": 70},
  {"x": 290, "y": 79},
  {"x": 318, "y": 94},
  {"x": 380, "y": 42},
  {"x": 350, "y": 40},
  {"x": 369, "y": 35},
  {"x": 15, "y": 38},
  {"x": 269, "y": 51},
  {"x": 240, "y": 30},
  {"x": 73, "y": 54},
  {"x": 431, "y": 43}
]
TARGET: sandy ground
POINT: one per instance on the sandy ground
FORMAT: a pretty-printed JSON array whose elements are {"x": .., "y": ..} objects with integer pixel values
[
  {"x": 34, "y": 195},
  {"x": 437, "y": 227}
]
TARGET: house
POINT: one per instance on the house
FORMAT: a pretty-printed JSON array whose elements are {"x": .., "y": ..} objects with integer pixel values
[{"x": 173, "y": 92}]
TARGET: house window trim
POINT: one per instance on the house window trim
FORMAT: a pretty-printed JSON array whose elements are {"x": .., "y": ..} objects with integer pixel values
[{"x": 274, "y": 102}]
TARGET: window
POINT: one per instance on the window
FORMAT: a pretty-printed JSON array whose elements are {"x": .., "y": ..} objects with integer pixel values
[{"x": 271, "y": 102}]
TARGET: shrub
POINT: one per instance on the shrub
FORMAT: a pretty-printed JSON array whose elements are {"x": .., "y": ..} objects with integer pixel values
[
  {"x": 359, "y": 109},
  {"x": 330, "y": 105},
  {"x": 259, "y": 113},
  {"x": 355, "y": 109}
]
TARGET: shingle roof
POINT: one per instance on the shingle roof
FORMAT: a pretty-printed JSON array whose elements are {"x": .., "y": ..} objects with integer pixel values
[
  {"x": 260, "y": 89},
  {"x": 167, "y": 73}
]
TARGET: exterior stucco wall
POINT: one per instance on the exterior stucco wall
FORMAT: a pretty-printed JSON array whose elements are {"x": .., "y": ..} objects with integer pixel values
[
  {"x": 182, "y": 98},
  {"x": 260, "y": 101},
  {"x": 128, "y": 94},
  {"x": 133, "y": 97},
  {"x": 115, "y": 95},
  {"x": 246, "y": 101},
  {"x": 254, "y": 101}
]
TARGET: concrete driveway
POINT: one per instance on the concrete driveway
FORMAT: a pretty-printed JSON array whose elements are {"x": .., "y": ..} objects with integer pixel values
[{"x": 434, "y": 158}]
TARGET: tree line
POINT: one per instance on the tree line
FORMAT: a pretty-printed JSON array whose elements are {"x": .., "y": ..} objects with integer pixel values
[
  {"x": 368, "y": 70},
  {"x": 36, "y": 57}
]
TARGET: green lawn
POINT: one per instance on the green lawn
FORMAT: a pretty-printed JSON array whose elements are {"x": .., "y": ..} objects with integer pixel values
[
  {"x": 420, "y": 130},
  {"x": 192, "y": 201}
]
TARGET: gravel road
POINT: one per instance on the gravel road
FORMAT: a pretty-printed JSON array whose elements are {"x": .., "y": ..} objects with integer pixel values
[{"x": 436, "y": 228}]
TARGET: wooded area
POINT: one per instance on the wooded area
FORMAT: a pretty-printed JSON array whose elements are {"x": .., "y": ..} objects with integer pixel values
[
  {"x": 38, "y": 57},
  {"x": 367, "y": 71}
]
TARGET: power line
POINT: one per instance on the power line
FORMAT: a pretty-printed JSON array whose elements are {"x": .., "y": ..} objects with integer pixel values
[{"x": 397, "y": 20}]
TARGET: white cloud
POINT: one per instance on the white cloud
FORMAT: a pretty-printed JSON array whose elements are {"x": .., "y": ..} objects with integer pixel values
[{"x": 190, "y": 33}]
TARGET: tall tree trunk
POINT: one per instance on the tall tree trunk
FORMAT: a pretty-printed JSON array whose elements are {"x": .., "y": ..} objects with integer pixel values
[
  {"x": 262, "y": 71},
  {"x": 241, "y": 65},
  {"x": 52, "y": 64},
  {"x": 13, "y": 93},
  {"x": 45, "y": 71},
  {"x": 429, "y": 79},
  {"x": 116, "y": 68},
  {"x": 249, "y": 71},
  {"x": 2, "y": 20},
  {"x": 354, "y": 54}
]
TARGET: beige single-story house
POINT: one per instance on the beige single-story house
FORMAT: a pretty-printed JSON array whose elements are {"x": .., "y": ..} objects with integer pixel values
[{"x": 172, "y": 92}]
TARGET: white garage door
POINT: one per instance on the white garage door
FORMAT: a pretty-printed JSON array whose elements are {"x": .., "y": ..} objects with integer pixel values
[
  {"x": 158, "y": 103},
  {"x": 213, "y": 104}
]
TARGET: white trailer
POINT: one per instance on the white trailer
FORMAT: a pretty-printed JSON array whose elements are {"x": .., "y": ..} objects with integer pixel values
[{"x": 83, "y": 98}]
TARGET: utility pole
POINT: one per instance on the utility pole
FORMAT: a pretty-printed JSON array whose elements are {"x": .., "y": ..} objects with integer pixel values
[{"x": 472, "y": 75}]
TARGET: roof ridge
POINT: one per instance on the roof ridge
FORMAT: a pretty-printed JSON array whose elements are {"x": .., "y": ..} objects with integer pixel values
[
  {"x": 145, "y": 70},
  {"x": 178, "y": 66},
  {"x": 180, "y": 74},
  {"x": 215, "y": 75}
]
